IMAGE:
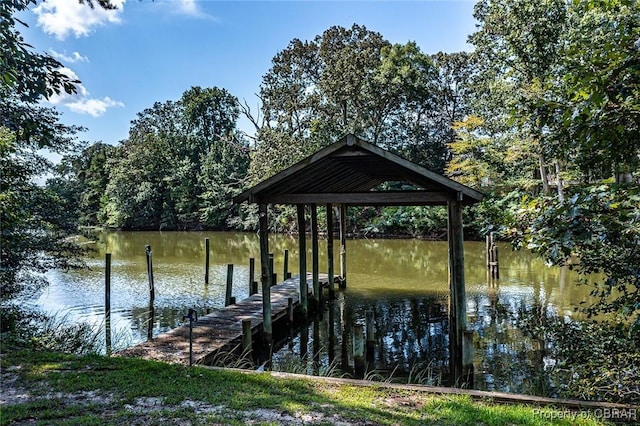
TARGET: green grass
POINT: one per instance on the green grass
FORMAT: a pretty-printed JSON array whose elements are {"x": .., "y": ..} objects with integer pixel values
[{"x": 79, "y": 390}]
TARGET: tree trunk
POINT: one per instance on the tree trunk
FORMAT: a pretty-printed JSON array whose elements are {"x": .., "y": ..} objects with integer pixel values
[
  {"x": 543, "y": 175},
  {"x": 559, "y": 182}
]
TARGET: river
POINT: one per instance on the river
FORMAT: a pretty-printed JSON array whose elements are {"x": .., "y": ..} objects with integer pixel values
[{"x": 403, "y": 281}]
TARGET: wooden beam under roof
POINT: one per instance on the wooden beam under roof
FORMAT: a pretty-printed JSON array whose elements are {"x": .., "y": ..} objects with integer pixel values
[{"x": 371, "y": 198}]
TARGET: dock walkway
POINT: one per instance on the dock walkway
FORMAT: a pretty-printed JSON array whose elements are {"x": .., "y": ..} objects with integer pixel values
[{"x": 219, "y": 329}]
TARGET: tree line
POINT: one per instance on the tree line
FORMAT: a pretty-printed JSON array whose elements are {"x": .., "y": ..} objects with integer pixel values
[{"x": 184, "y": 159}]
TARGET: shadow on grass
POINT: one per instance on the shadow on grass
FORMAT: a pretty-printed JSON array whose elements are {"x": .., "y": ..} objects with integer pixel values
[{"x": 233, "y": 397}]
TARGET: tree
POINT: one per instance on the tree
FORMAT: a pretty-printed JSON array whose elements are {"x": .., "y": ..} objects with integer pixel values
[
  {"x": 597, "y": 230},
  {"x": 180, "y": 165},
  {"x": 517, "y": 49},
  {"x": 81, "y": 180},
  {"x": 592, "y": 110},
  {"x": 35, "y": 224},
  {"x": 346, "y": 80}
]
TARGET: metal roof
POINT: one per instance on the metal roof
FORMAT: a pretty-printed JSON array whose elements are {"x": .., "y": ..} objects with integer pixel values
[{"x": 350, "y": 171}]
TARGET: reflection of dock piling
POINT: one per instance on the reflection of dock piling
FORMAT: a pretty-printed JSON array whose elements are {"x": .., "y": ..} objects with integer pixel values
[{"x": 358, "y": 350}]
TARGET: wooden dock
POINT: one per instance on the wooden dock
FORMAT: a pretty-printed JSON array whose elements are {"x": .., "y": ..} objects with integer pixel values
[{"x": 219, "y": 329}]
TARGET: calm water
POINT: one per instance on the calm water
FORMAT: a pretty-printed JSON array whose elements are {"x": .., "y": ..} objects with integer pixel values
[{"x": 403, "y": 281}]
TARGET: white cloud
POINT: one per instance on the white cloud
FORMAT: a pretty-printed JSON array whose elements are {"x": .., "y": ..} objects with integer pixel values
[
  {"x": 188, "y": 7},
  {"x": 81, "y": 102},
  {"x": 93, "y": 107},
  {"x": 192, "y": 9},
  {"x": 64, "y": 17},
  {"x": 73, "y": 58}
]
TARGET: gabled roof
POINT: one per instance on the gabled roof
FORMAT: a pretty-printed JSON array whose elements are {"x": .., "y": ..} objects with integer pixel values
[{"x": 349, "y": 171}]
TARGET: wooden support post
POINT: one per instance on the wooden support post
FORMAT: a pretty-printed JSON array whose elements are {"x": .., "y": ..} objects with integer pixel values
[
  {"x": 492, "y": 257},
  {"x": 150, "y": 322},
  {"x": 247, "y": 337},
  {"x": 457, "y": 305},
  {"x": 206, "y": 261},
  {"x": 273, "y": 275},
  {"x": 107, "y": 302},
  {"x": 285, "y": 269},
  {"x": 266, "y": 274},
  {"x": 302, "y": 249},
  {"x": 371, "y": 337},
  {"x": 330, "y": 271},
  {"x": 496, "y": 262},
  {"x": 252, "y": 274},
  {"x": 358, "y": 350},
  {"x": 488, "y": 250},
  {"x": 290, "y": 309},
  {"x": 314, "y": 256},
  {"x": 227, "y": 298},
  {"x": 254, "y": 287},
  {"x": 152, "y": 290},
  {"x": 467, "y": 359},
  {"x": 343, "y": 245}
]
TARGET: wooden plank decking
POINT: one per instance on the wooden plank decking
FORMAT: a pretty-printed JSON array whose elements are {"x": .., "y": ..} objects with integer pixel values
[{"x": 220, "y": 328}]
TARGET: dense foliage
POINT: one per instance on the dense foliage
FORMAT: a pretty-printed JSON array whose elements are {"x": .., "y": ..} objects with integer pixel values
[
  {"x": 596, "y": 231},
  {"x": 34, "y": 223},
  {"x": 352, "y": 80},
  {"x": 36, "y": 226},
  {"x": 178, "y": 169}
]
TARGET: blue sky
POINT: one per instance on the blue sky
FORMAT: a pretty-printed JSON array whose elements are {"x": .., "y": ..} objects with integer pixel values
[{"x": 149, "y": 51}]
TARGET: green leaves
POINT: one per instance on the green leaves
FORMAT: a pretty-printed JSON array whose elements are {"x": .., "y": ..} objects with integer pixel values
[
  {"x": 352, "y": 80},
  {"x": 596, "y": 231},
  {"x": 181, "y": 165}
]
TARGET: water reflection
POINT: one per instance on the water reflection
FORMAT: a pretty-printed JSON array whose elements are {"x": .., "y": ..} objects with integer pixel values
[{"x": 404, "y": 282}]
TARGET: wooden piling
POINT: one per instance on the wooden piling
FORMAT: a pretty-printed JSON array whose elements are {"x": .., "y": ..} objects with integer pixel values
[
  {"x": 206, "y": 261},
  {"x": 302, "y": 249},
  {"x": 252, "y": 273},
  {"x": 330, "y": 269},
  {"x": 457, "y": 305},
  {"x": 314, "y": 256},
  {"x": 492, "y": 256},
  {"x": 290, "y": 309},
  {"x": 227, "y": 299},
  {"x": 266, "y": 274},
  {"x": 496, "y": 263},
  {"x": 358, "y": 350},
  {"x": 285, "y": 269},
  {"x": 152, "y": 290},
  {"x": 343, "y": 245},
  {"x": 247, "y": 337},
  {"x": 273, "y": 275},
  {"x": 107, "y": 302},
  {"x": 150, "y": 322},
  {"x": 487, "y": 250}
]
